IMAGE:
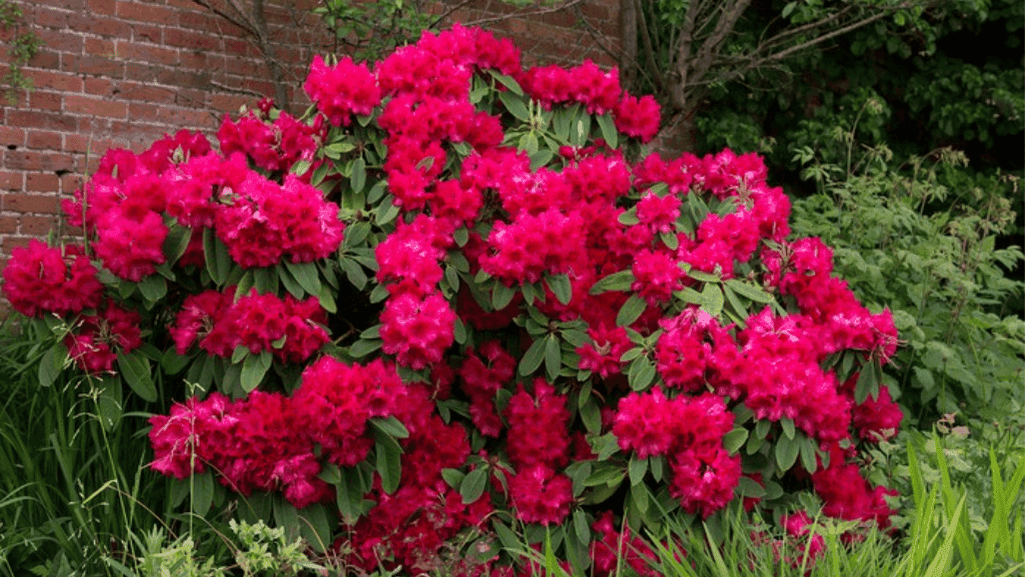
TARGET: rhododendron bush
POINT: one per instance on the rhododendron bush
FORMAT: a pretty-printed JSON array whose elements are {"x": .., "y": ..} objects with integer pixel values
[{"x": 457, "y": 298}]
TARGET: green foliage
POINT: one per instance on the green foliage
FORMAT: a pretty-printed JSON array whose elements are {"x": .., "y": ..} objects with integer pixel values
[
  {"x": 369, "y": 30},
  {"x": 22, "y": 46},
  {"x": 940, "y": 272}
]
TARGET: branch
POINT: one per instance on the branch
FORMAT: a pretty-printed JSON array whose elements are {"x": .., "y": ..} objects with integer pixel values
[{"x": 524, "y": 13}]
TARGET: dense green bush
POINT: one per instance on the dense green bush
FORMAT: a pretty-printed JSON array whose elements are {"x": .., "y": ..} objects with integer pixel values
[{"x": 949, "y": 286}]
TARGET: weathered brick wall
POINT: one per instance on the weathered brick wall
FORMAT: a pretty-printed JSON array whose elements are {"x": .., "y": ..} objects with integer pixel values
[{"x": 121, "y": 73}]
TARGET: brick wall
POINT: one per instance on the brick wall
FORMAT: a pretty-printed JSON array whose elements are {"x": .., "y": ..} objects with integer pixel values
[{"x": 121, "y": 73}]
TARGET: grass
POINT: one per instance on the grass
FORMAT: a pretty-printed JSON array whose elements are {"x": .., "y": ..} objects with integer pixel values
[{"x": 76, "y": 498}]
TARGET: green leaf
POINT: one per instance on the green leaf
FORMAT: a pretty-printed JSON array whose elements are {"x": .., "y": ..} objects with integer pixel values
[
  {"x": 364, "y": 347},
  {"x": 734, "y": 440},
  {"x": 748, "y": 487},
  {"x": 808, "y": 459},
  {"x": 253, "y": 370},
  {"x": 109, "y": 401},
  {"x": 868, "y": 382},
  {"x": 532, "y": 359},
  {"x": 453, "y": 477},
  {"x": 553, "y": 357},
  {"x": 590, "y": 414},
  {"x": 749, "y": 291},
  {"x": 473, "y": 485},
  {"x": 390, "y": 426},
  {"x": 632, "y": 310},
  {"x": 217, "y": 259},
  {"x": 315, "y": 526},
  {"x": 349, "y": 495},
  {"x": 354, "y": 273},
  {"x": 172, "y": 363},
  {"x": 506, "y": 81},
  {"x": 605, "y": 474},
  {"x": 702, "y": 276},
  {"x": 52, "y": 364},
  {"x": 712, "y": 299},
  {"x": 386, "y": 211},
  {"x": 641, "y": 374},
  {"x": 501, "y": 295},
  {"x": 561, "y": 286},
  {"x": 202, "y": 491},
  {"x": 515, "y": 105},
  {"x": 306, "y": 274},
  {"x": 788, "y": 427},
  {"x": 176, "y": 243},
  {"x": 637, "y": 469},
  {"x": 786, "y": 453},
  {"x": 608, "y": 130},
  {"x": 358, "y": 178},
  {"x": 618, "y": 281},
  {"x": 389, "y": 463},
  {"x": 136, "y": 372}
]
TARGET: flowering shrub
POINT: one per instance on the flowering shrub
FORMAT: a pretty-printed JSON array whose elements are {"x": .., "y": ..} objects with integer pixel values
[{"x": 456, "y": 297}]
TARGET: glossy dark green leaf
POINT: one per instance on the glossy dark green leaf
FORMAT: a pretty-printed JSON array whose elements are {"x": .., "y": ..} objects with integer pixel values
[{"x": 135, "y": 371}]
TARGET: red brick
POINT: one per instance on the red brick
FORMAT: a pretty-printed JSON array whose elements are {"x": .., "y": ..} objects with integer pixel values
[
  {"x": 41, "y": 182},
  {"x": 147, "y": 33},
  {"x": 12, "y": 180},
  {"x": 185, "y": 117},
  {"x": 146, "y": 93},
  {"x": 50, "y": 17},
  {"x": 12, "y": 242},
  {"x": 45, "y": 140},
  {"x": 103, "y": 7},
  {"x": 60, "y": 40},
  {"x": 151, "y": 53},
  {"x": 144, "y": 12},
  {"x": 173, "y": 77},
  {"x": 30, "y": 203},
  {"x": 92, "y": 65},
  {"x": 101, "y": 26},
  {"x": 200, "y": 21},
  {"x": 11, "y": 135},
  {"x": 46, "y": 79},
  {"x": 84, "y": 143},
  {"x": 192, "y": 40},
  {"x": 72, "y": 182},
  {"x": 99, "y": 86},
  {"x": 140, "y": 111},
  {"x": 35, "y": 119},
  {"x": 37, "y": 225},
  {"x": 9, "y": 224},
  {"x": 99, "y": 47},
  {"x": 229, "y": 102},
  {"x": 45, "y": 59},
  {"x": 45, "y": 100},
  {"x": 77, "y": 104}
]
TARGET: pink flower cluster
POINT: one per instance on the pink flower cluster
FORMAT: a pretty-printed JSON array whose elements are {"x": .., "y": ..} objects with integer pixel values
[
  {"x": 41, "y": 279},
  {"x": 96, "y": 339},
  {"x": 292, "y": 330},
  {"x": 689, "y": 430},
  {"x": 260, "y": 221},
  {"x": 274, "y": 147}
]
